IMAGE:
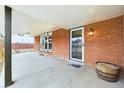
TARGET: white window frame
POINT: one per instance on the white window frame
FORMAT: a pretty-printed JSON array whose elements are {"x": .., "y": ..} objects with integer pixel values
[
  {"x": 47, "y": 36},
  {"x": 82, "y": 60}
]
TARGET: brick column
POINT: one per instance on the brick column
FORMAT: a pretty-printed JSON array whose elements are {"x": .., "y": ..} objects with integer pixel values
[
  {"x": 37, "y": 43},
  {"x": 61, "y": 43}
]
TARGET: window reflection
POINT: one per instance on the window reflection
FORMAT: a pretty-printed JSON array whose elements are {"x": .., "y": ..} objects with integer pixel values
[{"x": 77, "y": 44}]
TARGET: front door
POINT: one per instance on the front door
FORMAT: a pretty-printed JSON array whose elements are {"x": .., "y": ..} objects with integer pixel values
[{"x": 77, "y": 44}]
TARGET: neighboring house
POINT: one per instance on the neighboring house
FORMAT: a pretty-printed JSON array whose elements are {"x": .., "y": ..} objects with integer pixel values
[{"x": 22, "y": 43}]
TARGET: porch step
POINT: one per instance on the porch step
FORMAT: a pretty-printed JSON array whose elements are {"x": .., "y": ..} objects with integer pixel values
[{"x": 76, "y": 62}]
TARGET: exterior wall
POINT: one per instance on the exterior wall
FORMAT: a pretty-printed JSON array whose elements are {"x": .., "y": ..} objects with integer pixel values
[
  {"x": 22, "y": 46},
  {"x": 61, "y": 42},
  {"x": 107, "y": 43},
  {"x": 37, "y": 43}
]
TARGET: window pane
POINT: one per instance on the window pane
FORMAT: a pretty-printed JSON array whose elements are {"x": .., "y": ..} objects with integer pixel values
[
  {"x": 45, "y": 45},
  {"x": 42, "y": 41},
  {"x": 76, "y": 34},
  {"x": 50, "y": 39},
  {"x": 77, "y": 44},
  {"x": 45, "y": 38},
  {"x": 50, "y": 45}
]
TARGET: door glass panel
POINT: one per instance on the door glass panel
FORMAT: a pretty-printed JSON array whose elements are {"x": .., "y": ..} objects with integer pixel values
[
  {"x": 46, "y": 38},
  {"x": 50, "y": 38},
  {"x": 77, "y": 44},
  {"x": 45, "y": 45},
  {"x": 45, "y": 42},
  {"x": 50, "y": 45},
  {"x": 42, "y": 43}
]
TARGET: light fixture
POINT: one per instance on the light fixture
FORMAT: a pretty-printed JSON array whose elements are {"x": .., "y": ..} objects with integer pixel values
[{"x": 91, "y": 33}]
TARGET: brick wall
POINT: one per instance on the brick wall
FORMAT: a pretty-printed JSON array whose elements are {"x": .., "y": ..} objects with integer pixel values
[
  {"x": 107, "y": 43},
  {"x": 61, "y": 41},
  {"x": 22, "y": 46},
  {"x": 37, "y": 43}
]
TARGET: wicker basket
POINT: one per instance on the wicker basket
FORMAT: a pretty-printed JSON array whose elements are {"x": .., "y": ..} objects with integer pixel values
[{"x": 107, "y": 71}]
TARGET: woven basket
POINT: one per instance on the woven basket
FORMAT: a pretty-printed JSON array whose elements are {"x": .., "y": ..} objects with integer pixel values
[{"x": 107, "y": 71}]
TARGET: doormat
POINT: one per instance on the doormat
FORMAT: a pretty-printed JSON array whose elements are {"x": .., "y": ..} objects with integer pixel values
[
  {"x": 41, "y": 54},
  {"x": 75, "y": 65}
]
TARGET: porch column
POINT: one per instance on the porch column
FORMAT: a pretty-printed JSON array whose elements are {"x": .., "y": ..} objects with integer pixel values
[{"x": 8, "y": 70}]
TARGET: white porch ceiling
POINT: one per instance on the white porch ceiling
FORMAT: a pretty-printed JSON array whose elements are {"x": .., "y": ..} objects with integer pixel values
[
  {"x": 22, "y": 23},
  {"x": 39, "y": 19}
]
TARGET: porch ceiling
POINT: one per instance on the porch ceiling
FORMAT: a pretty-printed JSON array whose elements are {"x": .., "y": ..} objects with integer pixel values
[
  {"x": 22, "y": 23},
  {"x": 46, "y": 18}
]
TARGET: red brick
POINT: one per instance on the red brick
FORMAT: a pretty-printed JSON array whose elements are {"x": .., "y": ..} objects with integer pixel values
[
  {"x": 37, "y": 43},
  {"x": 22, "y": 46},
  {"x": 61, "y": 41},
  {"x": 107, "y": 43}
]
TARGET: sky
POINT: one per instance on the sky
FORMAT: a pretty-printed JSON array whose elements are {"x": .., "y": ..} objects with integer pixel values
[{"x": 22, "y": 39}]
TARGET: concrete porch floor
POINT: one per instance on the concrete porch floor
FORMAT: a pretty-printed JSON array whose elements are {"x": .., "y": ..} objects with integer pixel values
[{"x": 30, "y": 70}]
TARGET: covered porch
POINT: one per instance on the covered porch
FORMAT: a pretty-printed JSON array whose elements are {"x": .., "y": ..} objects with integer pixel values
[
  {"x": 84, "y": 39},
  {"x": 32, "y": 70}
]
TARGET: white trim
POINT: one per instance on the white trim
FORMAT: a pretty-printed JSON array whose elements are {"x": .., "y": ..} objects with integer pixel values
[
  {"x": 82, "y": 60},
  {"x": 47, "y": 50},
  {"x": 47, "y": 36}
]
